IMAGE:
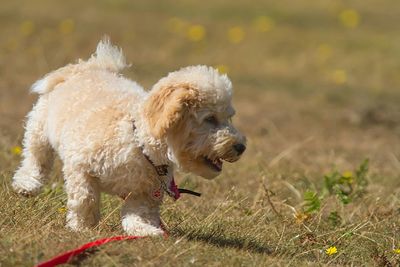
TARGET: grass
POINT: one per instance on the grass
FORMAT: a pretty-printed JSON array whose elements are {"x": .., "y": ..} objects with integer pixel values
[{"x": 316, "y": 93}]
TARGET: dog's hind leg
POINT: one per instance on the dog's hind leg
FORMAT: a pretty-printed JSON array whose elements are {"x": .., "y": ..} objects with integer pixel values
[
  {"x": 37, "y": 153},
  {"x": 83, "y": 199}
]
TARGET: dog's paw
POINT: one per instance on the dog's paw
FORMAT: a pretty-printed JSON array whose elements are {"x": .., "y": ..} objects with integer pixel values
[
  {"x": 77, "y": 223},
  {"x": 134, "y": 225},
  {"x": 145, "y": 230},
  {"x": 26, "y": 185},
  {"x": 75, "y": 227}
]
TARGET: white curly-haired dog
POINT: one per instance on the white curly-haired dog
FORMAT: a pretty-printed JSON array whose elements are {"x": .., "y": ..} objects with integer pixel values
[{"x": 113, "y": 136}]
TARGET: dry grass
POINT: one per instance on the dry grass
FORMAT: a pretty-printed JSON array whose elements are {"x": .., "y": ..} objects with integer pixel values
[{"x": 316, "y": 89}]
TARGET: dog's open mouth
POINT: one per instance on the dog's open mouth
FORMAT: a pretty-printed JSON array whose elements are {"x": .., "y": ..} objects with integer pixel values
[{"x": 215, "y": 164}]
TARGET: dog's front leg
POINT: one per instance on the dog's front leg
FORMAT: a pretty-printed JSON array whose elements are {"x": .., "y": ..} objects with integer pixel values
[
  {"x": 141, "y": 216},
  {"x": 83, "y": 200}
]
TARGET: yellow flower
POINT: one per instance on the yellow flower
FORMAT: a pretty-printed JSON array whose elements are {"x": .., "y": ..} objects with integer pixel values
[
  {"x": 16, "y": 150},
  {"x": 235, "y": 35},
  {"x": 331, "y": 250},
  {"x": 223, "y": 69},
  {"x": 339, "y": 76},
  {"x": 62, "y": 210},
  {"x": 347, "y": 174},
  {"x": 66, "y": 26},
  {"x": 27, "y": 27},
  {"x": 324, "y": 52},
  {"x": 263, "y": 24},
  {"x": 349, "y": 18},
  {"x": 176, "y": 25},
  {"x": 347, "y": 177},
  {"x": 397, "y": 250},
  {"x": 196, "y": 33}
]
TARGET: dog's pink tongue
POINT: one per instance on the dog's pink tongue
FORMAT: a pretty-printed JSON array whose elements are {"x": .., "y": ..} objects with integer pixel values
[{"x": 174, "y": 189}]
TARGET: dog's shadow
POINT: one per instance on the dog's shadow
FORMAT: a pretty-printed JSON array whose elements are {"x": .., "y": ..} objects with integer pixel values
[
  {"x": 213, "y": 236},
  {"x": 220, "y": 239}
]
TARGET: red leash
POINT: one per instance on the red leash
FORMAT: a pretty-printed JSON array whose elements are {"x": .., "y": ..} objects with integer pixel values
[{"x": 68, "y": 256}]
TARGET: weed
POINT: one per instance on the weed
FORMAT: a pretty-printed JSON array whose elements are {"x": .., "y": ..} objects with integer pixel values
[
  {"x": 312, "y": 202},
  {"x": 346, "y": 187}
]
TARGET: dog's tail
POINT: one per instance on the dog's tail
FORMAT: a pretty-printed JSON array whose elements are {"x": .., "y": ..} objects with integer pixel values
[{"x": 107, "y": 57}]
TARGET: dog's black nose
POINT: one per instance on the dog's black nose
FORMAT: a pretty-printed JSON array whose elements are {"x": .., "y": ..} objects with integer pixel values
[{"x": 240, "y": 148}]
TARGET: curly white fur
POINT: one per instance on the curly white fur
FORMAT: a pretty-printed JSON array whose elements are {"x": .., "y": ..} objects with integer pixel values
[{"x": 100, "y": 124}]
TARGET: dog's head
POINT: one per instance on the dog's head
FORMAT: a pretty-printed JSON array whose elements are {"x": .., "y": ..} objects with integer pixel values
[{"x": 191, "y": 108}]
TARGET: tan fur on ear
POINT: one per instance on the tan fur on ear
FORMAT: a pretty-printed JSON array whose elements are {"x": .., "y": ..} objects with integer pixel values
[{"x": 165, "y": 107}]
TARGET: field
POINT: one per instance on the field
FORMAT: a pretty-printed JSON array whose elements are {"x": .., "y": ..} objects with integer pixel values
[{"x": 316, "y": 93}]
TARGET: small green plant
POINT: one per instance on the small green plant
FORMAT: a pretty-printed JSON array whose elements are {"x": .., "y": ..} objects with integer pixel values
[
  {"x": 361, "y": 177},
  {"x": 312, "y": 202},
  {"x": 346, "y": 186}
]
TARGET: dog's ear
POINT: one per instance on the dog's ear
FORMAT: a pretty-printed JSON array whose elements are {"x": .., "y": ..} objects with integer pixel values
[{"x": 166, "y": 106}]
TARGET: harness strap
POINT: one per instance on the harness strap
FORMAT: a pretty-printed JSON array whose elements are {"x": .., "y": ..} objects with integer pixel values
[
  {"x": 172, "y": 190},
  {"x": 162, "y": 171}
]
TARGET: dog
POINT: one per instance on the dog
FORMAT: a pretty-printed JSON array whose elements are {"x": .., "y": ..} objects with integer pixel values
[{"x": 112, "y": 136}]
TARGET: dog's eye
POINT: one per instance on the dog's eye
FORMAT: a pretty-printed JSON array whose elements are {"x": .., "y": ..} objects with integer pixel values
[{"x": 211, "y": 119}]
